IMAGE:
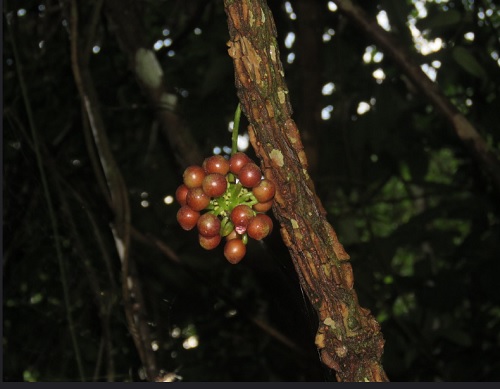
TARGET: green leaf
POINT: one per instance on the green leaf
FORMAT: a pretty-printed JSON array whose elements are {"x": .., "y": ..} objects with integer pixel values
[
  {"x": 466, "y": 60},
  {"x": 440, "y": 19}
]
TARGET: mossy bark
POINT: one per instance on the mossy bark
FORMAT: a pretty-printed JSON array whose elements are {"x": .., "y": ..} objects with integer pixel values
[{"x": 348, "y": 337}]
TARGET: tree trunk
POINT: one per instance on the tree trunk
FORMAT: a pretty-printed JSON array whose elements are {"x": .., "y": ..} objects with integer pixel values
[{"x": 348, "y": 337}]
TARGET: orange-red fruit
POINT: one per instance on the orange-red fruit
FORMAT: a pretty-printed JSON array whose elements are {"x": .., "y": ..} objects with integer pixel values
[
  {"x": 237, "y": 161},
  {"x": 193, "y": 176},
  {"x": 260, "y": 226},
  {"x": 263, "y": 207},
  {"x": 209, "y": 243},
  {"x": 214, "y": 184},
  {"x": 234, "y": 250},
  {"x": 264, "y": 191},
  {"x": 250, "y": 175},
  {"x": 216, "y": 164},
  {"x": 181, "y": 193},
  {"x": 197, "y": 199},
  {"x": 240, "y": 216},
  {"x": 208, "y": 225},
  {"x": 187, "y": 217}
]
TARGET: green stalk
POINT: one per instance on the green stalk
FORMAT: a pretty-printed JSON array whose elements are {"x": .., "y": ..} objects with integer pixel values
[{"x": 237, "y": 115}]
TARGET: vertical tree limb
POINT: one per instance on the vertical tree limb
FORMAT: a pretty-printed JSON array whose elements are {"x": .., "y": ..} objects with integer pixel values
[
  {"x": 118, "y": 196},
  {"x": 349, "y": 337}
]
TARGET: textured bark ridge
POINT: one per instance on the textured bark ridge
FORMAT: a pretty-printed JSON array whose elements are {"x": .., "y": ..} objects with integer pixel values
[{"x": 348, "y": 337}]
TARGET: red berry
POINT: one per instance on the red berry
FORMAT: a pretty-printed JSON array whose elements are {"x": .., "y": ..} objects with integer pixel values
[
  {"x": 216, "y": 164},
  {"x": 264, "y": 191},
  {"x": 263, "y": 207},
  {"x": 197, "y": 199},
  {"x": 237, "y": 161},
  {"x": 181, "y": 193},
  {"x": 214, "y": 185},
  {"x": 234, "y": 250},
  {"x": 240, "y": 216},
  {"x": 260, "y": 226},
  {"x": 187, "y": 217},
  {"x": 208, "y": 225},
  {"x": 193, "y": 176},
  {"x": 250, "y": 175},
  {"x": 209, "y": 243}
]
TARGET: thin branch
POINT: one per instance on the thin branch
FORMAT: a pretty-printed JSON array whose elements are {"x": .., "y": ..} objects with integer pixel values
[
  {"x": 463, "y": 129},
  {"x": 105, "y": 301},
  {"x": 170, "y": 254},
  {"x": 134, "y": 307},
  {"x": 91, "y": 30},
  {"x": 50, "y": 206},
  {"x": 94, "y": 159},
  {"x": 102, "y": 300},
  {"x": 189, "y": 20},
  {"x": 125, "y": 17},
  {"x": 104, "y": 307}
]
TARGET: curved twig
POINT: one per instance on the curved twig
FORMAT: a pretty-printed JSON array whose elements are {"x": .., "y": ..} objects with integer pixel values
[
  {"x": 50, "y": 206},
  {"x": 134, "y": 306},
  {"x": 462, "y": 127}
]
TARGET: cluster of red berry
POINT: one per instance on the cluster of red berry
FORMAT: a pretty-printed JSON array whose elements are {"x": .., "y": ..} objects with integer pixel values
[{"x": 235, "y": 198}]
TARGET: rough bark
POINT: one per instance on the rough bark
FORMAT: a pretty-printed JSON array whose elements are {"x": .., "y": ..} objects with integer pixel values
[
  {"x": 348, "y": 337},
  {"x": 472, "y": 140}
]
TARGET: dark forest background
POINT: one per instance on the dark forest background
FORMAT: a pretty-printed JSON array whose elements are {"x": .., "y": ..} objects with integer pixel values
[{"x": 418, "y": 216}]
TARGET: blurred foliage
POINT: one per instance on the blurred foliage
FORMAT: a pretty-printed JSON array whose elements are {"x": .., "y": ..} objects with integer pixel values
[{"x": 418, "y": 218}]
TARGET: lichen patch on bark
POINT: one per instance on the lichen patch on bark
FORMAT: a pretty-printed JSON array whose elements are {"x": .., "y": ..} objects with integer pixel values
[{"x": 277, "y": 157}]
